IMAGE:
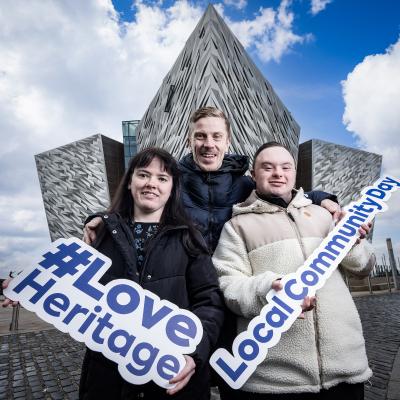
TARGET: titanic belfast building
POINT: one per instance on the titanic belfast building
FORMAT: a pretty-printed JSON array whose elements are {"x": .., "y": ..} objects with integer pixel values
[{"x": 213, "y": 69}]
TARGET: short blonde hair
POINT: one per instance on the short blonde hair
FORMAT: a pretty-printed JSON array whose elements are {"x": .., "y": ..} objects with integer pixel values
[{"x": 204, "y": 112}]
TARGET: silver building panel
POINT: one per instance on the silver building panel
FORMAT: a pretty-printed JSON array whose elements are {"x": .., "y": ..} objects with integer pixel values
[
  {"x": 77, "y": 180},
  {"x": 337, "y": 169}
]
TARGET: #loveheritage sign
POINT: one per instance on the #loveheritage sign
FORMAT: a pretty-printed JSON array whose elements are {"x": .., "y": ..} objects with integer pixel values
[{"x": 144, "y": 335}]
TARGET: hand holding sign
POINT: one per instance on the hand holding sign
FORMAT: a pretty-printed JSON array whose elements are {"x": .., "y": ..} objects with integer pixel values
[
  {"x": 146, "y": 336},
  {"x": 8, "y": 302}
]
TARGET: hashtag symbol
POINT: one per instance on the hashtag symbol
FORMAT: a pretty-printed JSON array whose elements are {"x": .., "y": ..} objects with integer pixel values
[{"x": 67, "y": 259}]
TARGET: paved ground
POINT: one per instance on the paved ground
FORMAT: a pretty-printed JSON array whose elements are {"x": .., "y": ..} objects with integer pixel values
[
  {"x": 46, "y": 364},
  {"x": 27, "y": 321},
  {"x": 380, "y": 316}
]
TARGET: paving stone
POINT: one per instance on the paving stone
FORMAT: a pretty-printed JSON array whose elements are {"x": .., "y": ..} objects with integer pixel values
[
  {"x": 380, "y": 317},
  {"x": 66, "y": 382},
  {"x": 36, "y": 388},
  {"x": 18, "y": 383},
  {"x": 69, "y": 389},
  {"x": 46, "y": 364}
]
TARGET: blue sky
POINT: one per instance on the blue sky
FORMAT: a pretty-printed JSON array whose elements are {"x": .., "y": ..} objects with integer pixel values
[
  {"x": 343, "y": 34},
  {"x": 70, "y": 69}
]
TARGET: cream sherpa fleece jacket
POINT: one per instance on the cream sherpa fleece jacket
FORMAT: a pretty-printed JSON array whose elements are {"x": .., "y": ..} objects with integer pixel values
[{"x": 263, "y": 242}]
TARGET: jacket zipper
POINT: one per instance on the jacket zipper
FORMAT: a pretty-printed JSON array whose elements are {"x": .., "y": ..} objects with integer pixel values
[
  {"x": 315, "y": 319},
  {"x": 210, "y": 214}
]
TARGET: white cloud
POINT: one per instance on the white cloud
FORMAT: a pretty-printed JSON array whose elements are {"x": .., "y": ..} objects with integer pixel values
[
  {"x": 72, "y": 69},
  {"x": 239, "y": 4},
  {"x": 318, "y": 6},
  {"x": 371, "y": 93},
  {"x": 69, "y": 70},
  {"x": 270, "y": 32}
]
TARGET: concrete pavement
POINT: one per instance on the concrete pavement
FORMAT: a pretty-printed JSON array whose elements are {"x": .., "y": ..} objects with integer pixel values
[{"x": 43, "y": 363}]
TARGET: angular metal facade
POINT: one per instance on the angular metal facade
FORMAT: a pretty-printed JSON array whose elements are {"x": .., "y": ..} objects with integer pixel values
[
  {"x": 336, "y": 169},
  {"x": 78, "y": 179},
  {"x": 214, "y": 69}
]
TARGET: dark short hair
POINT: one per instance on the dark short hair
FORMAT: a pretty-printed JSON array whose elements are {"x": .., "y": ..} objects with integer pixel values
[
  {"x": 267, "y": 146},
  {"x": 205, "y": 112}
]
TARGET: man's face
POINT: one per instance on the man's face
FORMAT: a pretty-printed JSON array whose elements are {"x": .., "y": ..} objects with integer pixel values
[
  {"x": 209, "y": 141},
  {"x": 275, "y": 173}
]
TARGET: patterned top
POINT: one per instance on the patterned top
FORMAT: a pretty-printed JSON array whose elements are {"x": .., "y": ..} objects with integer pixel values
[{"x": 142, "y": 232}]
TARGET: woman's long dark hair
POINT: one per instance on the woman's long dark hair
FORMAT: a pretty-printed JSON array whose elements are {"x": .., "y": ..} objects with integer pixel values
[{"x": 174, "y": 213}]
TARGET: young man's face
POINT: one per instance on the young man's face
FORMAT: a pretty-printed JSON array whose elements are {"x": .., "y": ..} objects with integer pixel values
[
  {"x": 275, "y": 173},
  {"x": 209, "y": 141}
]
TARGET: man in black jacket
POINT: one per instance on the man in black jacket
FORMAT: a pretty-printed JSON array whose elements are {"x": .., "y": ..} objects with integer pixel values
[{"x": 213, "y": 180}]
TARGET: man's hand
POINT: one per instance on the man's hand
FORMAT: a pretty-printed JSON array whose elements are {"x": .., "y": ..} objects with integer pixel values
[
  {"x": 308, "y": 302},
  {"x": 183, "y": 377},
  {"x": 364, "y": 230},
  {"x": 89, "y": 231},
  {"x": 8, "y": 302},
  {"x": 333, "y": 208}
]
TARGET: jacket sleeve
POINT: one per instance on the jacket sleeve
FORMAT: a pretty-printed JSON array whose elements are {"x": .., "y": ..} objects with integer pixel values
[
  {"x": 244, "y": 292},
  {"x": 317, "y": 196},
  {"x": 360, "y": 260},
  {"x": 206, "y": 303}
]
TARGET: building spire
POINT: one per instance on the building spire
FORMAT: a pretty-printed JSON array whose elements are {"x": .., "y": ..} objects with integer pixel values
[{"x": 214, "y": 69}]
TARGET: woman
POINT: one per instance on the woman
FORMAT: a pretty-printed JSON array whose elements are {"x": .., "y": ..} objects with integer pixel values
[{"x": 150, "y": 240}]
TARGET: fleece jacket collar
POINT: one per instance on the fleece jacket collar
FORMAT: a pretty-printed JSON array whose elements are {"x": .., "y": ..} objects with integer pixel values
[{"x": 254, "y": 204}]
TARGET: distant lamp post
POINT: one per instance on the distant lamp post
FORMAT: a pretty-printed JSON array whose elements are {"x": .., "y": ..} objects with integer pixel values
[{"x": 392, "y": 262}]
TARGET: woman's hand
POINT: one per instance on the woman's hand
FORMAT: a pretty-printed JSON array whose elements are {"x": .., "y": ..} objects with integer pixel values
[
  {"x": 183, "y": 377},
  {"x": 89, "y": 230},
  {"x": 8, "y": 302}
]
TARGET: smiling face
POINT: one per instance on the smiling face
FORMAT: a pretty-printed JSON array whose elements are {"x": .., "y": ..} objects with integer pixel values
[
  {"x": 275, "y": 173},
  {"x": 209, "y": 141},
  {"x": 150, "y": 188}
]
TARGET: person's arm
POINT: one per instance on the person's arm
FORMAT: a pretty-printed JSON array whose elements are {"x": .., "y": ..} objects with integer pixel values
[
  {"x": 183, "y": 378},
  {"x": 244, "y": 293},
  {"x": 327, "y": 201},
  {"x": 8, "y": 302},
  {"x": 92, "y": 224},
  {"x": 206, "y": 302},
  {"x": 360, "y": 260},
  {"x": 318, "y": 196}
]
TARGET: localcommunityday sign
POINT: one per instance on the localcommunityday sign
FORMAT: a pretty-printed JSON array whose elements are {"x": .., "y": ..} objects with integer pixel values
[
  {"x": 250, "y": 347},
  {"x": 146, "y": 336}
]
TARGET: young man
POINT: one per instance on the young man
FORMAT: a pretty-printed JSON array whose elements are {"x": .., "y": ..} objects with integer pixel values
[{"x": 270, "y": 235}]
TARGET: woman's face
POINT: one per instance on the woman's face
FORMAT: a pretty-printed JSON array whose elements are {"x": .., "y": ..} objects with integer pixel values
[{"x": 150, "y": 188}]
